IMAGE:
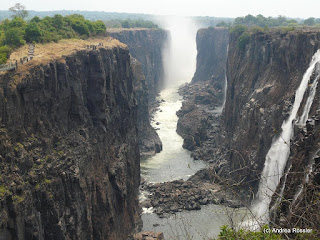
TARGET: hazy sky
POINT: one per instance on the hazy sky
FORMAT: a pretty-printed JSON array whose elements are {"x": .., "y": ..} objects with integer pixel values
[{"x": 221, "y": 8}]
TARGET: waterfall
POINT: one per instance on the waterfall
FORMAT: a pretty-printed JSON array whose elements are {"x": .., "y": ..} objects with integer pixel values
[
  {"x": 313, "y": 88},
  {"x": 225, "y": 84},
  {"x": 279, "y": 151},
  {"x": 225, "y": 90},
  {"x": 180, "y": 52}
]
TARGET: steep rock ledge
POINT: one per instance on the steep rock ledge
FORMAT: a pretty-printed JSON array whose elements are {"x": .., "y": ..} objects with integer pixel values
[
  {"x": 69, "y": 154},
  {"x": 199, "y": 117},
  {"x": 212, "y": 44},
  {"x": 262, "y": 80},
  {"x": 149, "y": 141},
  {"x": 146, "y": 46}
]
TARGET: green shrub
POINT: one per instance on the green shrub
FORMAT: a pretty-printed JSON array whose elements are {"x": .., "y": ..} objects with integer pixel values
[
  {"x": 238, "y": 30},
  {"x": 243, "y": 40},
  {"x": 227, "y": 233},
  {"x": 5, "y": 50},
  {"x": 285, "y": 30},
  {"x": 257, "y": 30},
  {"x": 13, "y": 37},
  {"x": 3, "y": 58}
]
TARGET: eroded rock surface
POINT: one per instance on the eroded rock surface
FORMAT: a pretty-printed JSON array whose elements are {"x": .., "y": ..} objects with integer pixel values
[
  {"x": 146, "y": 45},
  {"x": 69, "y": 154}
]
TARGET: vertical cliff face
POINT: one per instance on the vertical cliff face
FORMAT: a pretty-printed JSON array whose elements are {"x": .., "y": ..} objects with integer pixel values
[
  {"x": 263, "y": 75},
  {"x": 146, "y": 46},
  {"x": 199, "y": 118},
  {"x": 149, "y": 141},
  {"x": 212, "y": 44},
  {"x": 299, "y": 188},
  {"x": 69, "y": 155},
  {"x": 262, "y": 80}
]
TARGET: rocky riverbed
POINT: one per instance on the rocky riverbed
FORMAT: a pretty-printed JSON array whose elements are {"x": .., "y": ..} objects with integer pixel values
[
  {"x": 179, "y": 195},
  {"x": 199, "y": 120}
]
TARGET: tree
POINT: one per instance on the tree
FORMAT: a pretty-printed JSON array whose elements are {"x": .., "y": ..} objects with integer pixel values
[
  {"x": 18, "y": 10},
  {"x": 57, "y": 21},
  {"x": 33, "y": 33},
  {"x": 309, "y": 21},
  {"x": 13, "y": 37},
  {"x": 125, "y": 24},
  {"x": 222, "y": 24}
]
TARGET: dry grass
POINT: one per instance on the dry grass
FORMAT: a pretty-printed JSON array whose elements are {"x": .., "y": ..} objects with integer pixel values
[{"x": 45, "y": 53}]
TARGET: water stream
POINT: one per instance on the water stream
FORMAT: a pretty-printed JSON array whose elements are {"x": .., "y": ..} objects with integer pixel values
[
  {"x": 279, "y": 152},
  {"x": 174, "y": 162}
]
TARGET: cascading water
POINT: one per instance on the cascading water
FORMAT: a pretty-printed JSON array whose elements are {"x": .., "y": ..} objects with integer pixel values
[
  {"x": 225, "y": 85},
  {"x": 313, "y": 88},
  {"x": 302, "y": 123},
  {"x": 279, "y": 152}
]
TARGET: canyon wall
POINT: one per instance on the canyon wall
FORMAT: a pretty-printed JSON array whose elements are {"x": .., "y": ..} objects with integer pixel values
[
  {"x": 69, "y": 155},
  {"x": 263, "y": 75},
  {"x": 146, "y": 46},
  {"x": 264, "y": 70},
  {"x": 198, "y": 119},
  {"x": 149, "y": 141},
  {"x": 212, "y": 44}
]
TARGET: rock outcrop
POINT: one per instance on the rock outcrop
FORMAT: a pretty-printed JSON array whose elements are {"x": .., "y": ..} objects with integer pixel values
[
  {"x": 69, "y": 155},
  {"x": 212, "y": 44},
  {"x": 149, "y": 141},
  {"x": 199, "y": 117},
  {"x": 178, "y": 195},
  {"x": 146, "y": 46}
]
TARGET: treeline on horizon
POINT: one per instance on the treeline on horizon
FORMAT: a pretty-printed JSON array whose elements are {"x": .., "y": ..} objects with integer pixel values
[
  {"x": 17, "y": 32},
  {"x": 261, "y": 21},
  {"x": 130, "y": 23},
  {"x": 243, "y": 27}
]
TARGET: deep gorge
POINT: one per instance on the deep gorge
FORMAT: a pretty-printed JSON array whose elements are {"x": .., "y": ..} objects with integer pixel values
[
  {"x": 262, "y": 79},
  {"x": 73, "y": 132}
]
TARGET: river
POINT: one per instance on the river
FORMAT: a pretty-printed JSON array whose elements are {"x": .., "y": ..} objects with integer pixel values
[{"x": 174, "y": 162}]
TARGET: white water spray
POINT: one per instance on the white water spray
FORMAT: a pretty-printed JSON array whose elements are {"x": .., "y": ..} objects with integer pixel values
[
  {"x": 279, "y": 152},
  {"x": 307, "y": 107},
  {"x": 225, "y": 84},
  {"x": 179, "y": 56}
]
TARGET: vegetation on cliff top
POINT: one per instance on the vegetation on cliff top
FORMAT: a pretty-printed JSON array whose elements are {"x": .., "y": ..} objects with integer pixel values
[
  {"x": 244, "y": 27},
  {"x": 16, "y": 32},
  {"x": 261, "y": 21}
]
